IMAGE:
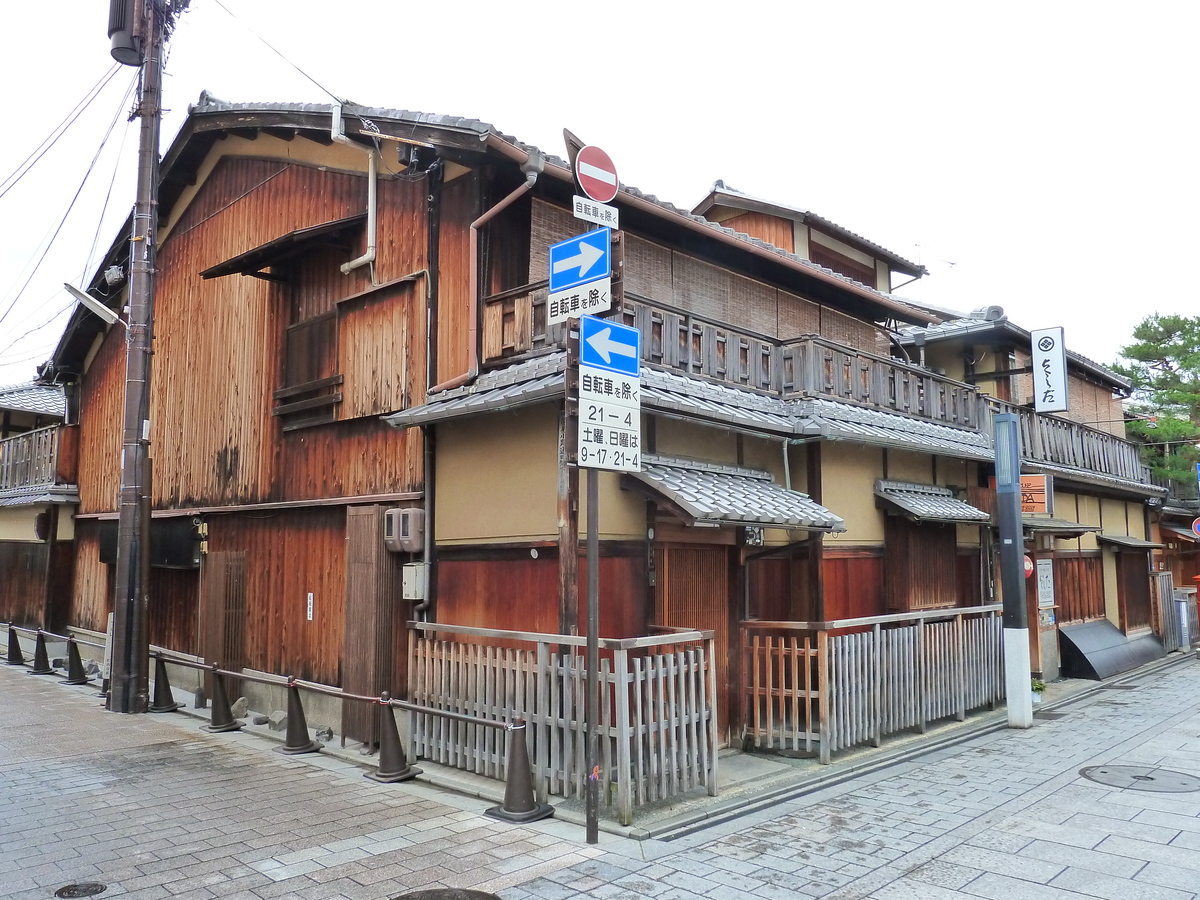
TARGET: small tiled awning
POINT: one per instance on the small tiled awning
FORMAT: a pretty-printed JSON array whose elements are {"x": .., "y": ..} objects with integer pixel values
[
  {"x": 292, "y": 244},
  {"x": 1047, "y": 525},
  {"x": 926, "y": 503},
  {"x": 40, "y": 495},
  {"x": 1129, "y": 543},
  {"x": 709, "y": 494}
]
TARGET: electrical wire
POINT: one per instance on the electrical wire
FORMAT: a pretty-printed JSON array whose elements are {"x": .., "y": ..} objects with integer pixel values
[
  {"x": 87, "y": 263},
  {"x": 36, "y": 328},
  {"x": 277, "y": 52},
  {"x": 113, "y": 124},
  {"x": 57, "y": 132}
]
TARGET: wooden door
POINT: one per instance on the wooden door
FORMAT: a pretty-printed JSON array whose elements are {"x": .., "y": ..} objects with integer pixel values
[
  {"x": 1133, "y": 589},
  {"x": 223, "y": 615},
  {"x": 372, "y": 594},
  {"x": 692, "y": 591}
]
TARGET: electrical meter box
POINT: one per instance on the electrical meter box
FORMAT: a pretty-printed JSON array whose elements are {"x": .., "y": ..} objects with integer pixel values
[
  {"x": 414, "y": 581},
  {"x": 404, "y": 530}
]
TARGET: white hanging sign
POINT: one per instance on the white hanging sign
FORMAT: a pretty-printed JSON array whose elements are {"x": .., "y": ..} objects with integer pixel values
[{"x": 1049, "y": 370}]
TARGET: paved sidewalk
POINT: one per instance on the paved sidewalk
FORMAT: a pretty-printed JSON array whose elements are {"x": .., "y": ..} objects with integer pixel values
[{"x": 152, "y": 807}]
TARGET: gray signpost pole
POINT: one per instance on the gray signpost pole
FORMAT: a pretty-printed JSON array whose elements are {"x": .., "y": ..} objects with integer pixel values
[
  {"x": 1012, "y": 574},
  {"x": 593, "y": 656}
]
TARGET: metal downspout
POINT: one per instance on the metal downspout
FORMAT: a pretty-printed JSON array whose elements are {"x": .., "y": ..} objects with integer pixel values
[{"x": 336, "y": 132}]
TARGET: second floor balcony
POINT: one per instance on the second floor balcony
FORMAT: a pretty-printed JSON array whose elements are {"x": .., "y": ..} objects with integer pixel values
[
  {"x": 813, "y": 366},
  {"x": 39, "y": 462}
]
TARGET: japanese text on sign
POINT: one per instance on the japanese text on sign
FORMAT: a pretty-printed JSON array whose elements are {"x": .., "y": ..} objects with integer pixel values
[{"x": 586, "y": 299}]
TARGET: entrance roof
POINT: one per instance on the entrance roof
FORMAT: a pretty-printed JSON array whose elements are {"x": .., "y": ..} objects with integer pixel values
[
  {"x": 1130, "y": 543},
  {"x": 709, "y": 494},
  {"x": 926, "y": 503},
  {"x": 1185, "y": 534},
  {"x": 1055, "y": 526}
]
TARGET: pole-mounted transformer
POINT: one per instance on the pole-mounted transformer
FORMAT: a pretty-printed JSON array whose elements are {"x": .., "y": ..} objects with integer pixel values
[{"x": 124, "y": 33}]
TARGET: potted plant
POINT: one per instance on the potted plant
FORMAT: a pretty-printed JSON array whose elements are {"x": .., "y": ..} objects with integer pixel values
[{"x": 1037, "y": 687}]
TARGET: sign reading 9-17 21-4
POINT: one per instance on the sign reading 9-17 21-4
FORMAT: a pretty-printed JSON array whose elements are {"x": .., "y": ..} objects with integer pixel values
[{"x": 610, "y": 402}]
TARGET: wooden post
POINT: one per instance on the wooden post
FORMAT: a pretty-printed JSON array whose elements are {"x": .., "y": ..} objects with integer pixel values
[
  {"x": 624, "y": 739},
  {"x": 823, "y": 688},
  {"x": 877, "y": 687}
]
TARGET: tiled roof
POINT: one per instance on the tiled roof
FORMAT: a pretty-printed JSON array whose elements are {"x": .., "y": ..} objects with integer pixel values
[
  {"x": 731, "y": 495},
  {"x": 1184, "y": 533},
  {"x": 1088, "y": 476},
  {"x": 698, "y": 398},
  {"x": 836, "y": 421},
  {"x": 39, "y": 495},
  {"x": 521, "y": 384},
  {"x": 209, "y": 104},
  {"x": 927, "y": 502},
  {"x": 39, "y": 399},
  {"x": 975, "y": 323},
  {"x": 1055, "y": 526},
  {"x": 1124, "y": 540}
]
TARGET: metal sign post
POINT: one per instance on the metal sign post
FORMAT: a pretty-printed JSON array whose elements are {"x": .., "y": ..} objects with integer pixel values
[{"x": 1012, "y": 576}]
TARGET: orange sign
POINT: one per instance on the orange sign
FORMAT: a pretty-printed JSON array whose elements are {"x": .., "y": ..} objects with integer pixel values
[
  {"x": 1034, "y": 494},
  {"x": 1037, "y": 493}
]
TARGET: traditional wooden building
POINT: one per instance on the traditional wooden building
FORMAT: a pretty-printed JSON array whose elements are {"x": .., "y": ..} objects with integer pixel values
[
  {"x": 356, "y": 419},
  {"x": 1090, "y": 604}
]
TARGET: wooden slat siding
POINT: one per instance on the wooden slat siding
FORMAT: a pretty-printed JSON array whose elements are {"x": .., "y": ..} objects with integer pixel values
[
  {"x": 231, "y": 178},
  {"x": 101, "y": 411},
  {"x": 288, "y": 555},
  {"x": 174, "y": 595},
  {"x": 918, "y": 558},
  {"x": 1165, "y": 611},
  {"x": 774, "y": 230},
  {"x": 854, "y": 582},
  {"x": 1079, "y": 586},
  {"x": 377, "y": 338},
  {"x": 222, "y": 613},
  {"x": 460, "y": 207}
]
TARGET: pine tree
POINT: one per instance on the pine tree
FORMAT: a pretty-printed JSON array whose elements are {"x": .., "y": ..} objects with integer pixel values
[{"x": 1164, "y": 366}]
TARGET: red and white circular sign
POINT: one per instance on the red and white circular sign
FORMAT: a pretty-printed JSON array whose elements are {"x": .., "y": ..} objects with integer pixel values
[
  {"x": 596, "y": 174},
  {"x": 1028, "y": 566}
]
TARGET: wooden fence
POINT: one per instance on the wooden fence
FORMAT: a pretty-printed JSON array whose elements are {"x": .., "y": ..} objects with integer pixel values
[
  {"x": 821, "y": 687},
  {"x": 658, "y": 728},
  {"x": 28, "y": 459}
]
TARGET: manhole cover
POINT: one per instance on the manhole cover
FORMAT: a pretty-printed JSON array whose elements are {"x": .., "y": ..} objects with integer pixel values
[
  {"x": 83, "y": 889},
  {"x": 1142, "y": 778}
]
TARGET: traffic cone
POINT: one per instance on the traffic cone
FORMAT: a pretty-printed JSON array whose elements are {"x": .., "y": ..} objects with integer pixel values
[
  {"x": 164, "y": 700},
  {"x": 41, "y": 662},
  {"x": 15, "y": 656},
  {"x": 222, "y": 716},
  {"x": 519, "y": 804},
  {"x": 75, "y": 672},
  {"x": 393, "y": 764},
  {"x": 298, "y": 740}
]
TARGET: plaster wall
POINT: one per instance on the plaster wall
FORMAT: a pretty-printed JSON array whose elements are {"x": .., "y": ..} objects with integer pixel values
[
  {"x": 848, "y": 474},
  {"x": 18, "y": 524}
]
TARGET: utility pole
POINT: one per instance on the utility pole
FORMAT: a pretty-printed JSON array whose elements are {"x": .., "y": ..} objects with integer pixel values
[
  {"x": 129, "y": 686},
  {"x": 1007, "y": 443}
]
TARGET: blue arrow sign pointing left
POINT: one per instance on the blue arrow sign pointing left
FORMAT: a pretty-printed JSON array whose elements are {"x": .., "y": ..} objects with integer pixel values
[
  {"x": 580, "y": 259},
  {"x": 608, "y": 345}
]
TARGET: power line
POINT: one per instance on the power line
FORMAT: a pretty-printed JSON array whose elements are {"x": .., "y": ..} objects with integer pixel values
[
  {"x": 278, "y": 53},
  {"x": 71, "y": 205},
  {"x": 87, "y": 263},
  {"x": 58, "y": 131}
]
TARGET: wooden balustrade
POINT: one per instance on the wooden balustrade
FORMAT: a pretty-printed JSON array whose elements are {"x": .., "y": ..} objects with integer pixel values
[
  {"x": 658, "y": 728},
  {"x": 1058, "y": 441},
  {"x": 29, "y": 459},
  {"x": 826, "y": 686}
]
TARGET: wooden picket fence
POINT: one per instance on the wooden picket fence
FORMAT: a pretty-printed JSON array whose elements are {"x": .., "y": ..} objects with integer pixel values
[
  {"x": 821, "y": 687},
  {"x": 658, "y": 721}
]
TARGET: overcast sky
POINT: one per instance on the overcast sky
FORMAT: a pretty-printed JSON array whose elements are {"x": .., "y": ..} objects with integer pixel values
[{"x": 1036, "y": 155}]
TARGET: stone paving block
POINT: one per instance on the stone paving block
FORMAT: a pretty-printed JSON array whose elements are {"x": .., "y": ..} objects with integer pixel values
[
  {"x": 1181, "y": 857},
  {"x": 1181, "y": 822},
  {"x": 1108, "y": 887},
  {"x": 1003, "y": 887},
  {"x": 1002, "y": 863},
  {"x": 1080, "y": 858},
  {"x": 1143, "y": 831},
  {"x": 1168, "y": 876}
]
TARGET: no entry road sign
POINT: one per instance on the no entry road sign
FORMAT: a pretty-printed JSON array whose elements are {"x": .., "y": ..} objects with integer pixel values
[{"x": 596, "y": 174}]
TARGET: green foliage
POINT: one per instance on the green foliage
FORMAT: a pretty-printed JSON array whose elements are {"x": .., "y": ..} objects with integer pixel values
[{"x": 1164, "y": 366}]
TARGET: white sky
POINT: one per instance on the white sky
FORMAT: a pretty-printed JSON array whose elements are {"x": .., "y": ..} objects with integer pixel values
[{"x": 1035, "y": 155}]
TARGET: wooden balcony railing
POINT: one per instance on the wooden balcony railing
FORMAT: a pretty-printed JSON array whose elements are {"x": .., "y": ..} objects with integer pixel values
[
  {"x": 815, "y": 366},
  {"x": 29, "y": 459},
  {"x": 514, "y": 324},
  {"x": 1056, "y": 441}
]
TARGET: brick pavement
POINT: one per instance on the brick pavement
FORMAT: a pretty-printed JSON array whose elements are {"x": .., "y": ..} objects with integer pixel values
[{"x": 155, "y": 808}]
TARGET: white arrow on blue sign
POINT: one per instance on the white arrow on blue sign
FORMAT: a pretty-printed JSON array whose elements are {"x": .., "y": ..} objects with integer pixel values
[
  {"x": 580, "y": 259},
  {"x": 608, "y": 345}
]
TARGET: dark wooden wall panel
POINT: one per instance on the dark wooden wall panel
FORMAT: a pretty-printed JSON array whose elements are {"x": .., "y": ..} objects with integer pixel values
[
  {"x": 101, "y": 411},
  {"x": 854, "y": 583},
  {"x": 1079, "y": 586},
  {"x": 23, "y": 585},
  {"x": 1133, "y": 585},
  {"x": 171, "y": 621},
  {"x": 460, "y": 205}
]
